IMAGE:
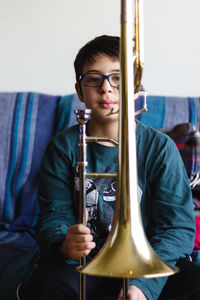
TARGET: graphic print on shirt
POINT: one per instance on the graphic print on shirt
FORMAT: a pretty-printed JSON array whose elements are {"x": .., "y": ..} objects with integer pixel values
[
  {"x": 100, "y": 198},
  {"x": 100, "y": 201}
]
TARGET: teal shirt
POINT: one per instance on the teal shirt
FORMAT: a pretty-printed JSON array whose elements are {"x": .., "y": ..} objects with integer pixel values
[{"x": 163, "y": 189}]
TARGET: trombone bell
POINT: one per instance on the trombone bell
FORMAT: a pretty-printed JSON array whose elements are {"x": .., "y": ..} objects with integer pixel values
[{"x": 121, "y": 257}]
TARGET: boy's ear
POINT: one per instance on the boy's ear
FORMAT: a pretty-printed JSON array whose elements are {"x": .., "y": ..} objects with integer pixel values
[{"x": 79, "y": 92}]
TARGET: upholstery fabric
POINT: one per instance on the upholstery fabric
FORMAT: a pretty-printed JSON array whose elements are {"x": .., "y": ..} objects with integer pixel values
[
  {"x": 27, "y": 122},
  {"x": 170, "y": 111}
]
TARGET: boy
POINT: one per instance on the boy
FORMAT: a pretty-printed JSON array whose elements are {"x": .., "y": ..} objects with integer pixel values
[{"x": 166, "y": 203}]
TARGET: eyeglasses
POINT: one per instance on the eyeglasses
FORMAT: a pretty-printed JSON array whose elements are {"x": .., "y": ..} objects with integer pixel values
[{"x": 96, "y": 80}]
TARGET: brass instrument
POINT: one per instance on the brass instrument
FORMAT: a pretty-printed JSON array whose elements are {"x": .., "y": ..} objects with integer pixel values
[
  {"x": 126, "y": 242},
  {"x": 82, "y": 117}
]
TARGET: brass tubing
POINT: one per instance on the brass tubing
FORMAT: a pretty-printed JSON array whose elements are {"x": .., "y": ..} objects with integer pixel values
[
  {"x": 82, "y": 117},
  {"x": 82, "y": 202},
  {"x": 101, "y": 139},
  {"x": 101, "y": 175},
  {"x": 127, "y": 242}
]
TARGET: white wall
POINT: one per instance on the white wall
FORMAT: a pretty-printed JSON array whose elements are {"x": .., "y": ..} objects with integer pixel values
[
  {"x": 172, "y": 47},
  {"x": 40, "y": 38}
]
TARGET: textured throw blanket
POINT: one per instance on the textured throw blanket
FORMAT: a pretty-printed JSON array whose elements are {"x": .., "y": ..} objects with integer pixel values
[
  {"x": 27, "y": 122},
  {"x": 166, "y": 112}
]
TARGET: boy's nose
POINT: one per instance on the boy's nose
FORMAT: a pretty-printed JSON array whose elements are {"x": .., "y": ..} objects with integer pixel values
[{"x": 106, "y": 85}]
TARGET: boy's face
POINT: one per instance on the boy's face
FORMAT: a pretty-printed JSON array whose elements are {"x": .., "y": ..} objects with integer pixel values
[{"x": 105, "y": 97}]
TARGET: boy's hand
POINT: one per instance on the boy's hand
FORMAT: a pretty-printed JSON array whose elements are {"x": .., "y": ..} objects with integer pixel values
[
  {"x": 78, "y": 242},
  {"x": 134, "y": 293}
]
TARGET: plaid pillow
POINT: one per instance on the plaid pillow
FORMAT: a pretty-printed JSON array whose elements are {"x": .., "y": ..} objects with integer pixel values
[{"x": 187, "y": 139}]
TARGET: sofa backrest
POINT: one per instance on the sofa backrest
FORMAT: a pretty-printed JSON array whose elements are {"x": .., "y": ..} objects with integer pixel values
[{"x": 27, "y": 122}]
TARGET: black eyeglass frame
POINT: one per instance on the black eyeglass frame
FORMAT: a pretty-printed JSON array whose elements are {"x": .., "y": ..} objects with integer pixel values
[{"x": 102, "y": 81}]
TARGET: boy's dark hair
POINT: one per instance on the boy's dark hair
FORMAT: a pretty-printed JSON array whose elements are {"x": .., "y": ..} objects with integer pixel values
[{"x": 104, "y": 44}]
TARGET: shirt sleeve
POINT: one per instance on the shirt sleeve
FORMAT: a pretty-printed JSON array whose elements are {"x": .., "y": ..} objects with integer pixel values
[
  {"x": 171, "y": 227},
  {"x": 55, "y": 197}
]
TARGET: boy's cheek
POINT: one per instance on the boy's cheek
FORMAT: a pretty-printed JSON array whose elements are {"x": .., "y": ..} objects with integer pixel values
[{"x": 136, "y": 96}]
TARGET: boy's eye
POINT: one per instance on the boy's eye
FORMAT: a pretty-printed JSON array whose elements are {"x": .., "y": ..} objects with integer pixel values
[
  {"x": 115, "y": 78},
  {"x": 92, "y": 79}
]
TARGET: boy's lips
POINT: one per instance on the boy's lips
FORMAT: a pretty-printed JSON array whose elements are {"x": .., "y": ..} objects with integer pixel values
[{"x": 107, "y": 103}]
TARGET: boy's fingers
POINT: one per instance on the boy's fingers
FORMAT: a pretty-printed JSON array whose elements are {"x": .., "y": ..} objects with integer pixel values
[
  {"x": 78, "y": 228},
  {"x": 85, "y": 246},
  {"x": 82, "y": 250},
  {"x": 81, "y": 238},
  {"x": 120, "y": 297}
]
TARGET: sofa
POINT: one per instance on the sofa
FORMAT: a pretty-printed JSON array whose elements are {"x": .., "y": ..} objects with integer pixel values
[{"x": 27, "y": 122}]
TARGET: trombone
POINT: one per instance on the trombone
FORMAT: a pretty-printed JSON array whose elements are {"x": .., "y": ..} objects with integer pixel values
[{"x": 127, "y": 241}]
